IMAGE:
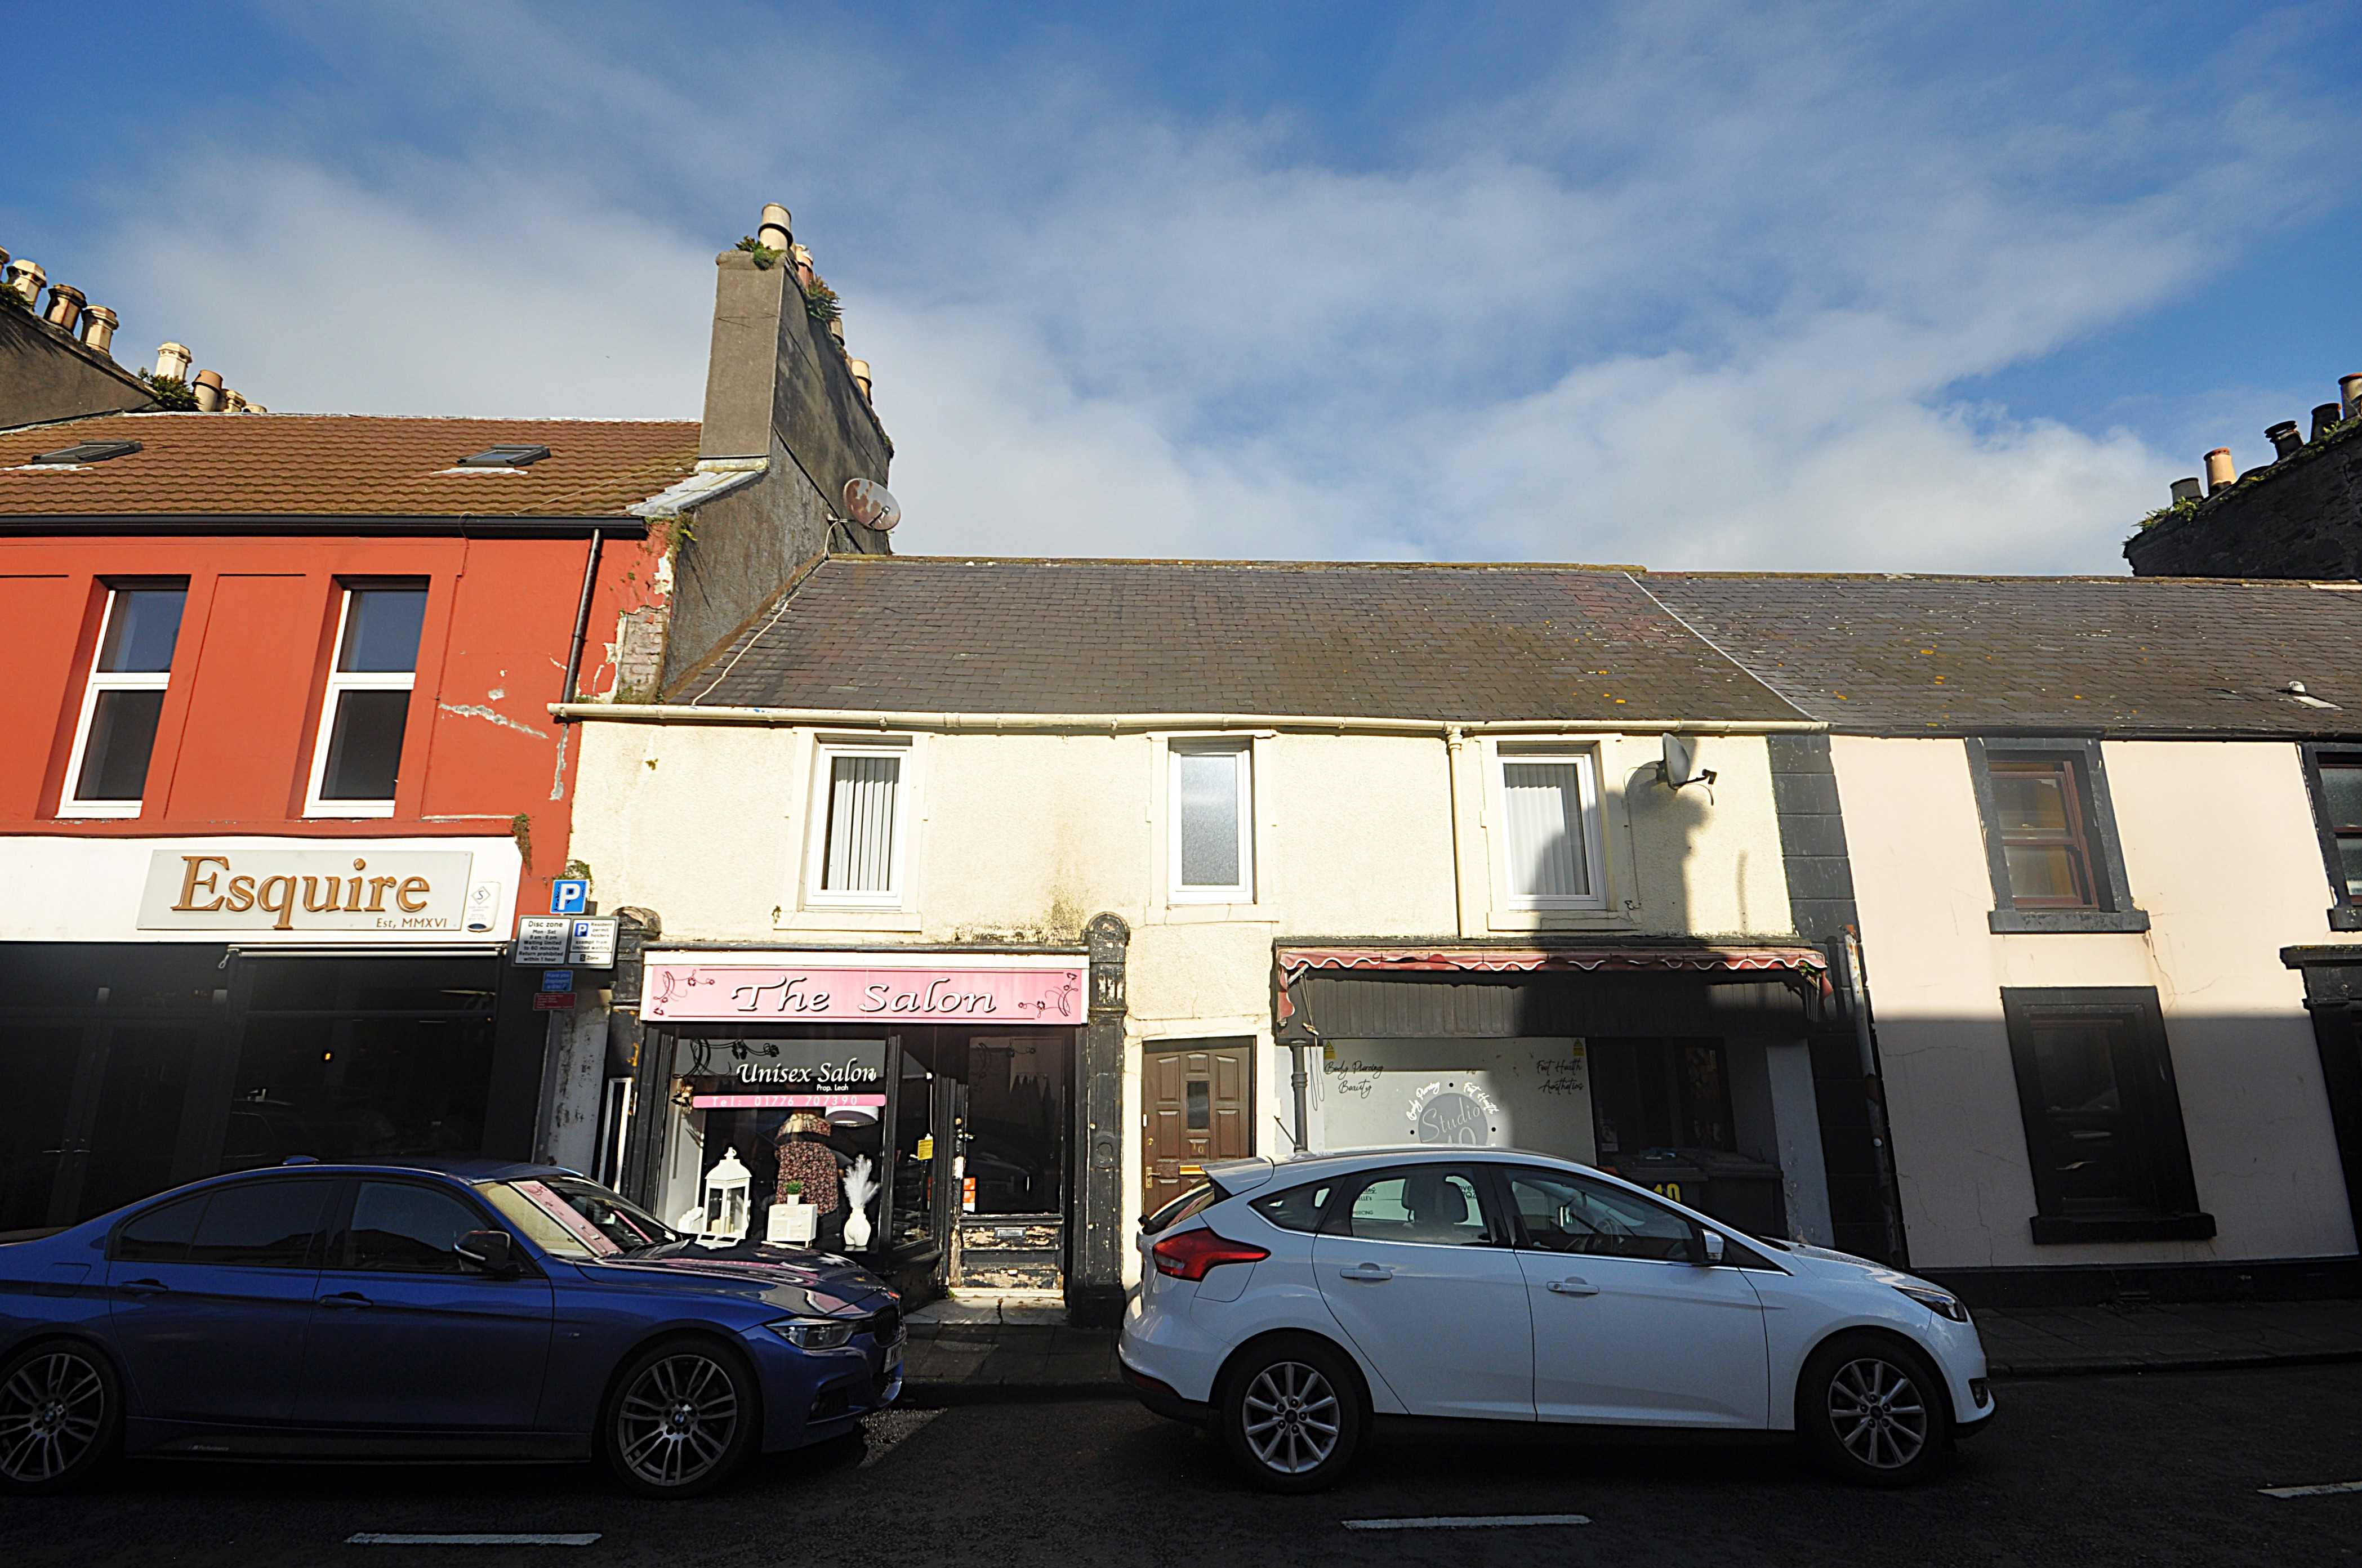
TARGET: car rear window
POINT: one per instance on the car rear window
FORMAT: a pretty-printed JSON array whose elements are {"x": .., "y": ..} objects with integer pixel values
[
  {"x": 1205, "y": 1195},
  {"x": 1298, "y": 1209}
]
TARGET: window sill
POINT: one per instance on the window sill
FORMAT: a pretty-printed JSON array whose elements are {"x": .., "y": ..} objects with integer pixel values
[
  {"x": 97, "y": 811},
  {"x": 2059, "y": 1229},
  {"x": 1559, "y": 920},
  {"x": 1192, "y": 914},
  {"x": 2345, "y": 917},
  {"x": 2013, "y": 922},
  {"x": 848, "y": 920}
]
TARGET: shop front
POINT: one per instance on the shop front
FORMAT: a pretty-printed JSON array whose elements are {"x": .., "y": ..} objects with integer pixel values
[
  {"x": 914, "y": 1110},
  {"x": 1683, "y": 1067},
  {"x": 173, "y": 1009}
]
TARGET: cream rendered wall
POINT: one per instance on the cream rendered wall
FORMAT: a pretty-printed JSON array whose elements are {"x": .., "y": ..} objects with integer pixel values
[
  {"x": 1025, "y": 836},
  {"x": 2220, "y": 904}
]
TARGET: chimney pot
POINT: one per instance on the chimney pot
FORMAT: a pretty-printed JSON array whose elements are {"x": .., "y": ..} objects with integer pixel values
[
  {"x": 98, "y": 325},
  {"x": 26, "y": 276},
  {"x": 860, "y": 368},
  {"x": 803, "y": 259},
  {"x": 2324, "y": 416},
  {"x": 172, "y": 362},
  {"x": 2283, "y": 438},
  {"x": 234, "y": 402},
  {"x": 2349, "y": 390},
  {"x": 208, "y": 388},
  {"x": 775, "y": 231},
  {"x": 2220, "y": 473},
  {"x": 836, "y": 331},
  {"x": 65, "y": 307},
  {"x": 2189, "y": 489}
]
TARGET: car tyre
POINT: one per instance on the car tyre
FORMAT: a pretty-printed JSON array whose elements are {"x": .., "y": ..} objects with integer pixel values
[
  {"x": 61, "y": 1416},
  {"x": 1874, "y": 1411},
  {"x": 1291, "y": 1415},
  {"x": 682, "y": 1418}
]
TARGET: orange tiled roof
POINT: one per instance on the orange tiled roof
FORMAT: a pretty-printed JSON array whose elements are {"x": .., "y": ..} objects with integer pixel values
[{"x": 343, "y": 465}]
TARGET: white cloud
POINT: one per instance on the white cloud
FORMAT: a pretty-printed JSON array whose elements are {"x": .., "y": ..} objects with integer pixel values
[{"x": 1701, "y": 295}]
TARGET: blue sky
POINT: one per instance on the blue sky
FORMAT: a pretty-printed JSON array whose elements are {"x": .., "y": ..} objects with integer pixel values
[{"x": 1692, "y": 285}]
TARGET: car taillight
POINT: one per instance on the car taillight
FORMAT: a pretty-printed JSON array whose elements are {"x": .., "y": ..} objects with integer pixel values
[{"x": 1188, "y": 1255}]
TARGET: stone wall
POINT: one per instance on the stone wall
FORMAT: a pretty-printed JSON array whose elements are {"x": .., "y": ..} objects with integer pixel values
[
  {"x": 46, "y": 375},
  {"x": 2300, "y": 518}
]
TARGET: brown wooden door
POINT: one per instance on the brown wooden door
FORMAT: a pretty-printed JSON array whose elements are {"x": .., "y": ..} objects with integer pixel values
[{"x": 1196, "y": 1107}]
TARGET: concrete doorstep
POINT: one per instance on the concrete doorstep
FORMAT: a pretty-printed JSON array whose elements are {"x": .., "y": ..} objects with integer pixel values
[{"x": 966, "y": 1352}]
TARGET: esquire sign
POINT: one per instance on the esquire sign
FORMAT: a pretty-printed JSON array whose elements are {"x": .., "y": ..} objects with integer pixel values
[{"x": 237, "y": 889}]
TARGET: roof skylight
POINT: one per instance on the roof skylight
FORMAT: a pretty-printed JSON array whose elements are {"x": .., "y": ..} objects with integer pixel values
[
  {"x": 88, "y": 451},
  {"x": 515, "y": 456}
]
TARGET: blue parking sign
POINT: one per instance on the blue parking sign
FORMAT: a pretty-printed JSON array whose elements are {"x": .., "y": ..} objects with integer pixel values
[{"x": 569, "y": 895}]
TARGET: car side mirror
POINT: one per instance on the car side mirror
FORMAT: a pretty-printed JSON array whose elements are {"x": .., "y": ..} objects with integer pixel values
[
  {"x": 1706, "y": 1247},
  {"x": 491, "y": 1251}
]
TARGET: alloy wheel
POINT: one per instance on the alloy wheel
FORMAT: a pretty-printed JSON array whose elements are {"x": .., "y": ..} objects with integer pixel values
[
  {"x": 51, "y": 1412},
  {"x": 674, "y": 1422},
  {"x": 1291, "y": 1417},
  {"x": 1877, "y": 1413}
]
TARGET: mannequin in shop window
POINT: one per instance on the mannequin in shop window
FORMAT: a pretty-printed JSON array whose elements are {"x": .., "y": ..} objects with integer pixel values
[{"x": 806, "y": 1156}]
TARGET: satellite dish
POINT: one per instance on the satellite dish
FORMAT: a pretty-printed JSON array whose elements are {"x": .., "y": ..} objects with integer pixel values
[
  {"x": 871, "y": 504},
  {"x": 1679, "y": 765}
]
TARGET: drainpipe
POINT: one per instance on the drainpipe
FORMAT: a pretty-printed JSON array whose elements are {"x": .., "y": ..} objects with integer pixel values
[
  {"x": 1454, "y": 737},
  {"x": 1301, "y": 1083},
  {"x": 581, "y": 620}
]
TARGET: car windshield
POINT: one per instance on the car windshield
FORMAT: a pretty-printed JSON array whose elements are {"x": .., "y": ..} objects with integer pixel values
[{"x": 572, "y": 1217}]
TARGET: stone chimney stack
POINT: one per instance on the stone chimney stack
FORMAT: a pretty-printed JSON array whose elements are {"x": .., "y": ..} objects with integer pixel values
[{"x": 172, "y": 361}]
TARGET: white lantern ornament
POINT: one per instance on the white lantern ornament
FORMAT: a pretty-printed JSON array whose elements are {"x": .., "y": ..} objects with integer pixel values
[{"x": 726, "y": 1201}]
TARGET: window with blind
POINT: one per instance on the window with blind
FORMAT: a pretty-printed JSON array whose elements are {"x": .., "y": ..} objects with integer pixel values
[
  {"x": 864, "y": 795},
  {"x": 2335, "y": 778},
  {"x": 1549, "y": 829}
]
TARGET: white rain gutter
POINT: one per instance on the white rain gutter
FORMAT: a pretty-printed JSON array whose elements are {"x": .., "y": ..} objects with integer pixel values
[{"x": 876, "y": 718}]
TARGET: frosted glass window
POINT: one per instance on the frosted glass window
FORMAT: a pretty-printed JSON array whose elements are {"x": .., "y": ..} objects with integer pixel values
[
  {"x": 1213, "y": 844},
  {"x": 864, "y": 805}
]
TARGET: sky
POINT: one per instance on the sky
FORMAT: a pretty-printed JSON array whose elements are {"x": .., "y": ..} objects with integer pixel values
[{"x": 1685, "y": 285}]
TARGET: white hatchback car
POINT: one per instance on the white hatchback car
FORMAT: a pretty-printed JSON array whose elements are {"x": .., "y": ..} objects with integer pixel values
[{"x": 1289, "y": 1305}]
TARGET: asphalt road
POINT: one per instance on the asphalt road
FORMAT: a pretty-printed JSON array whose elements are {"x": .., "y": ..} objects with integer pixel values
[{"x": 2157, "y": 1469}]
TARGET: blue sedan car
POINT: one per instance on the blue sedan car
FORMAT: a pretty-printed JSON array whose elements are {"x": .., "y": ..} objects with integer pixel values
[{"x": 416, "y": 1311}]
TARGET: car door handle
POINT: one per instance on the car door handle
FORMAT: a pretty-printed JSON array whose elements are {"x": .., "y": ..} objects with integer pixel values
[
  {"x": 1367, "y": 1273},
  {"x": 1573, "y": 1288},
  {"x": 143, "y": 1287},
  {"x": 347, "y": 1298}
]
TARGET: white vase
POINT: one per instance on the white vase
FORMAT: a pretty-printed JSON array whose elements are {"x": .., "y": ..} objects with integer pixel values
[{"x": 860, "y": 1183}]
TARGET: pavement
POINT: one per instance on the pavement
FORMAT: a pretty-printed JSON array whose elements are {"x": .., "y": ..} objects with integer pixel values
[
  {"x": 2166, "y": 1469},
  {"x": 1015, "y": 1346}
]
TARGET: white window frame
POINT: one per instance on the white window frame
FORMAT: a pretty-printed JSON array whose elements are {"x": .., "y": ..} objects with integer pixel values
[
  {"x": 823, "y": 804},
  {"x": 342, "y": 680},
  {"x": 1585, "y": 760},
  {"x": 70, "y": 804},
  {"x": 1243, "y": 890}
]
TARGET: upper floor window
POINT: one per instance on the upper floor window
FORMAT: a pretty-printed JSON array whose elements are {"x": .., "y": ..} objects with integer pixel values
[
  {"x": 2335, "y": 778},
  {"x": 107, "y": 773},
  {"x": 1550, "y": 828},
  {"x": 862, "y": 829},
  {"x": 2050, "y": 836},
  {"x": 357, "y": 759},
  {"x": 1212, "y": 812}
]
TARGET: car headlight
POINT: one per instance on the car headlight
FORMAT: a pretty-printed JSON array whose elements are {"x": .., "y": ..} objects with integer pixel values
[
  {"x": 815, "y": 1334},
  {"x": 1943, "y": 1303}
]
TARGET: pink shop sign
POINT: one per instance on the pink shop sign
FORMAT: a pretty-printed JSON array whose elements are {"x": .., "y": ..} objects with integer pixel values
[{"x": 854, "y": 994}]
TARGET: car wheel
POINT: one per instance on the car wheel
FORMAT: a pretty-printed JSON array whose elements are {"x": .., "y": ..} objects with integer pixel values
[
  {"x": 1874, "y": 1411},
  {"x": 682, "y": 1420},
  {"x": 61, "y": 1412},
  {"x": 1292, "y": 1415}
]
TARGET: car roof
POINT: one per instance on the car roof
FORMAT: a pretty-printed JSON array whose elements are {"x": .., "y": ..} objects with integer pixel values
[{"x": 1257, "y": 1172}]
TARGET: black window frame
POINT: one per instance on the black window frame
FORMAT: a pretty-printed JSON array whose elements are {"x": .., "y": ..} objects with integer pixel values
[
  {"x": 2156, "y": 1116},
  {"x": 2116, "y": 910},
  {"x": 2345, "y": 909}
]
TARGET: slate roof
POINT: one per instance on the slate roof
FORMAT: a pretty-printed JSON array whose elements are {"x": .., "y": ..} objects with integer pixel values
[
  {"x": 1956, "y": 655},
  {"x": 936, "y": 634},
  {"x": 341, "y": 466}
]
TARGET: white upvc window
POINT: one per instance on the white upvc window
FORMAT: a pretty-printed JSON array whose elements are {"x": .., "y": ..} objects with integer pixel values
[
  {"x": 860, "y": 825},
  {"x": 106, "y": 774},
  {"x": 357, "y": 756},
  {"x": 1547, "y": 803},
  {"x": 1210, "y": 802}
]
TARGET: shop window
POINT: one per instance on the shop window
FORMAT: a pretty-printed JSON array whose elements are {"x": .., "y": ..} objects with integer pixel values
[
  {"x": 2050, "y": 836},
  {"x": 1549, "y": 812},
  {"x": 1660, "y": 1095},
  {"x": 1212, "y": 811},
  {"x": 2334, "y": 779},
  {"x": 357, "y": 759},
  {"x": 2104, "y": 1129},
  {"x": 861, "y": 831},
  {"x": 107, "y": 773},
  {"x": 399, "y": 1227}
]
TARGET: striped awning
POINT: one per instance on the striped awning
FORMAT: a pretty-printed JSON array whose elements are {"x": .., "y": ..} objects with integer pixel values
[{"x": 1294, "y": 964}]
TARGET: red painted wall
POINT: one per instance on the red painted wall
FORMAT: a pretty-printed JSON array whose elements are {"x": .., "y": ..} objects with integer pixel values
[{"x": 480, "y": 755}]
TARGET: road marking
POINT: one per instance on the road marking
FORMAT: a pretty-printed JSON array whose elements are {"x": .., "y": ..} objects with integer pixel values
[
  {"x": 1468, "y": 1521},
  {"x": 369, "y": 1538},
  {"x": 2311, "y": 1491}
]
